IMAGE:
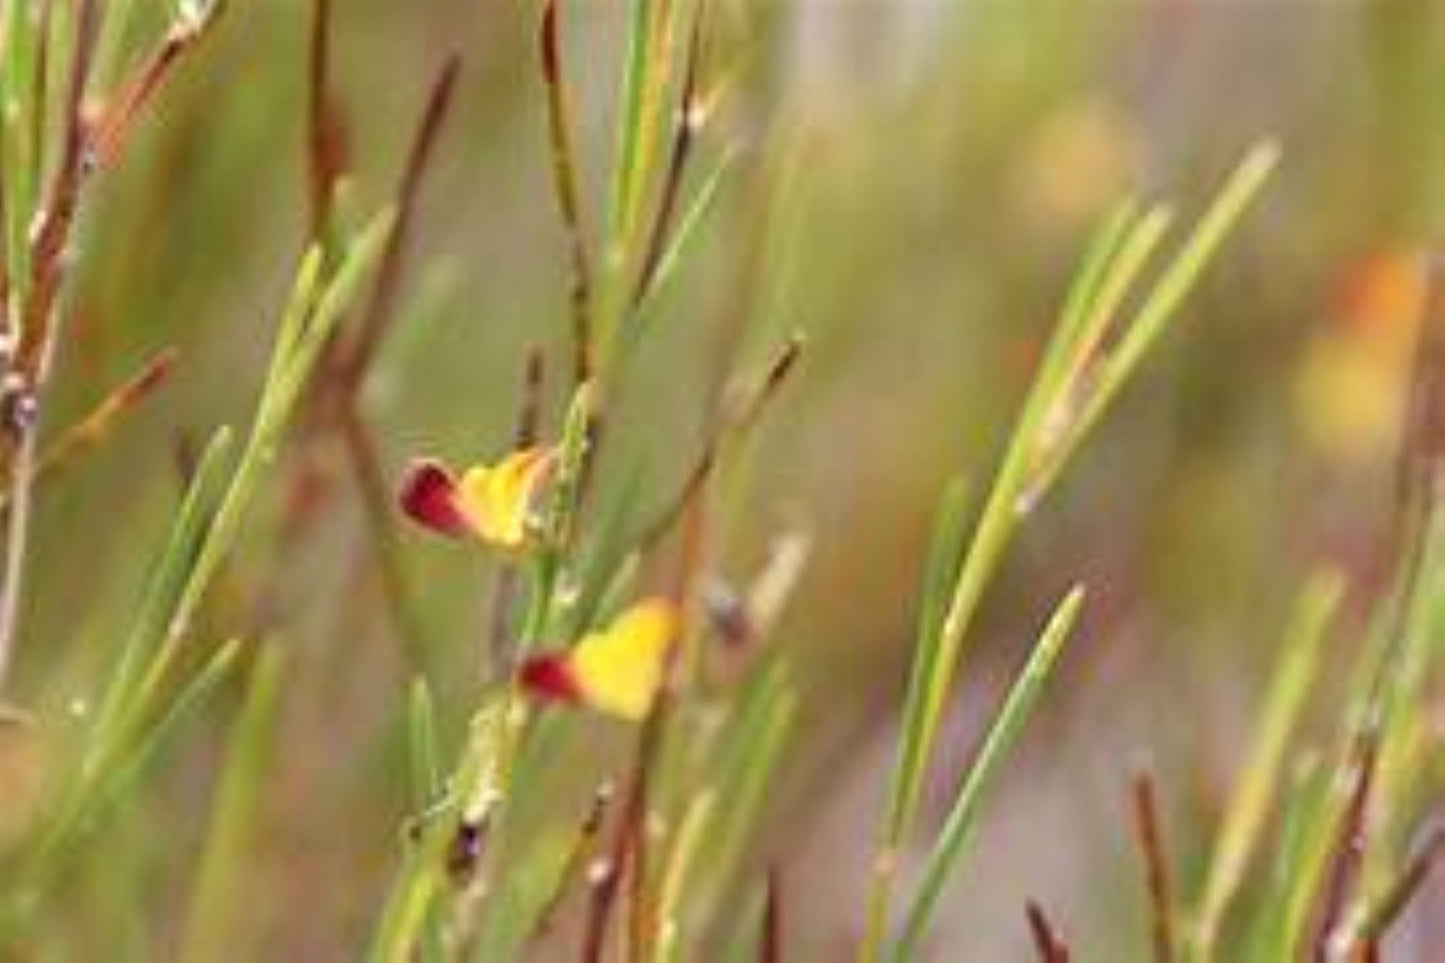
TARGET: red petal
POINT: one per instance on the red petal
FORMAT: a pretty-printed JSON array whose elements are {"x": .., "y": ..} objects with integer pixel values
[
  {"x": 550, "y": 678},
  {"x": 428, "y": 497}
]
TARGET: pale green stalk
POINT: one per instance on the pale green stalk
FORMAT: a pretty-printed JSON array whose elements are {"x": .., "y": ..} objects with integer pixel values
[
  {"x": 221, "y": 878},
  {"x": 1253, "y": 797},
  {"x": 962, "y": 823},
  {"x": 1073, "y": 387}
]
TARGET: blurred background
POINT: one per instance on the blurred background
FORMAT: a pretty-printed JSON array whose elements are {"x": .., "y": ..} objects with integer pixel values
[{"x": 912, "y": 184}]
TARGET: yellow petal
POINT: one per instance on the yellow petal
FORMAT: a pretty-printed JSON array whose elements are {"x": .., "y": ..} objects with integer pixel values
[
  {"x": 619, "y": 669},
  {"x": 498, "y": 499}
]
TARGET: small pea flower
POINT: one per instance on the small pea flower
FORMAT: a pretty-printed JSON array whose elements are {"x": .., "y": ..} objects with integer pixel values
[
  {"x": 617, "y": 670},
  {"x": 494, "y": 503}
]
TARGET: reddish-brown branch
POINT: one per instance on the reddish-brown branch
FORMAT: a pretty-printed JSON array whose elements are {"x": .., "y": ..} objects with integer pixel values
[
  {"x": 771, "y": 949},
  {"x": 376, "y": 500},
  {"x": 739, "y": 415},
  {"x": 584, "y": 849},
  {"x": 1400, "y": 893},
  {"x": 120, "y": 113},
  {"x": 379, "y": 307},
  {"x": 505, "y": 582},
  {"x": 629, "y": 848},
  {"x": 529, "y": 410},
  {"x": 608, "y": 873},
  {"x": 1048, "y": 943},
  {"x": 566, "y": 187},
  {"x": 1349, "y": 848},
  {"x": 689, "y": 121},
  {"x": 1156, "y": 867},
  {"x": 47, "y": 249},
  {"x": 325, "y": 128},
  {"x": 98, "y": 424},
  {"x": 35, "y": 338}
]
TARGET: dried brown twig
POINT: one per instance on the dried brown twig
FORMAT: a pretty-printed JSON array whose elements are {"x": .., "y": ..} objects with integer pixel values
[
  {"x": 1156, "y": 867},
  {"x": 380, "y": 306},
  {"x": 34, "y": 339},
  {"x": 771, "y": 950},
  {"x": 1048, "y": 943},
  {"x": 85, "y": 148},
  {"x": 101, "y": 421},
  {"x": 566, "y": 187},
  {"x": 118, "y": 118}
]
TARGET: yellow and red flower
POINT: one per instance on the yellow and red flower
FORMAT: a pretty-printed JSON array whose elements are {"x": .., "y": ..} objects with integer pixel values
[
  {"x": 494, "y": 503},
  {"x": 617, "y": 670}
]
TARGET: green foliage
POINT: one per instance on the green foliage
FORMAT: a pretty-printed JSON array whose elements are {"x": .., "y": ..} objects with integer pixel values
[
  {"x": 962, "y": 821},
  {"x": 471, "y": 797}
]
